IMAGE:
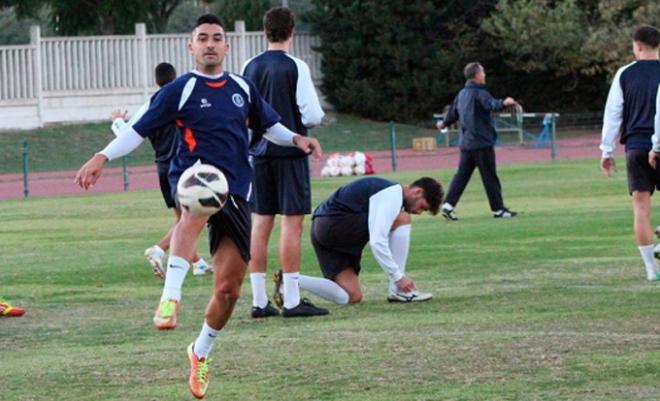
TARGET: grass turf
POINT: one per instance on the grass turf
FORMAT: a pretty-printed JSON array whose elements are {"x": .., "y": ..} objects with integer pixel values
[{"x": 551, "y": 305}]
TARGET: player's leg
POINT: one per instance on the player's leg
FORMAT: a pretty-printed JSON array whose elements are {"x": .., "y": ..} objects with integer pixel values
[
  {"x": 466, "y": 166},
  {"x": 349, "y": 281},
  {"x": 485, "y": 159},
  {"x": 156, "y": 253},
  {"x": 262, "y": 226},
  {"x": 399, "y": 242},
  {"x": 264, "y": 208},
  {"x": 641, "y": 184},
  {"x": 294, "y": 201},
  {"x": 230, "y": 268},
  {"x": 183, "y": 248}
]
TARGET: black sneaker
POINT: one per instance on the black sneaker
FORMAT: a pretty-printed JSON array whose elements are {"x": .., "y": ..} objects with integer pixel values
[
  {"x": 266, "y": 311},
  {"x": 504, "y": 214},
  {"x": 449, "y": 214},
  {"x": 277, "y": 295},
  {"x": 304, "y": 308}
]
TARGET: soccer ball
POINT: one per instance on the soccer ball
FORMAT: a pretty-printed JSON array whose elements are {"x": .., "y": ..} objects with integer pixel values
[{"x": 202, "y": 189}]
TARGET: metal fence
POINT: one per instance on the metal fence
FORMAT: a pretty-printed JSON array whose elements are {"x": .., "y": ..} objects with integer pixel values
[{"x": 82, "y": 66}]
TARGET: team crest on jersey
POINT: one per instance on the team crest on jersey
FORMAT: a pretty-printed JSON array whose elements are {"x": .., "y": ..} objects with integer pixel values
[
  {"x": 238, "y": 100},
  {"x": 204, "y": 104}
]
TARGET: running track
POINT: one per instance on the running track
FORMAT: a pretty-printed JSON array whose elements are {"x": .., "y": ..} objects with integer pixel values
[{"x": 145, "y": 177}]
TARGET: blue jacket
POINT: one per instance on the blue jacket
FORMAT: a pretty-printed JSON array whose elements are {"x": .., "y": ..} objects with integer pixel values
[{"x": 471, "y": 108}]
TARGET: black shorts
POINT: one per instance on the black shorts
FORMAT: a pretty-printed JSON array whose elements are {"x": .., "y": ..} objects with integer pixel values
[
  {"x": 165, "y": 188},
  {"x": 281, "y": 186},
  {"x": 641, "y": 176},
  {"x": 338, "y": 242},
  {"x": 233, "y": 220}
]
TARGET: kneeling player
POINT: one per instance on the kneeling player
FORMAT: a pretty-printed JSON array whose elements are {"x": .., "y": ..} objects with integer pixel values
[{"x": 369, "y": 210}]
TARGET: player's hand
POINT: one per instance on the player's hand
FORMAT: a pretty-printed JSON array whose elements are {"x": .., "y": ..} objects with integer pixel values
[
  {"x": 440, "y": 126},
  {"x": 509, "y": 101},
  {"x": 608, "y": 166},
  {"x": 115, "y": 114},
  {"x": 90, "y": 172},
  {"x": 652, "y": 158},
  {"x": 308, "y": 145},
  {"x": 405, "y": 284}
]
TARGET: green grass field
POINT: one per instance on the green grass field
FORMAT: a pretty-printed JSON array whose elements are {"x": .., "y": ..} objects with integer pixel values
[{"x": 552, "y": 305}]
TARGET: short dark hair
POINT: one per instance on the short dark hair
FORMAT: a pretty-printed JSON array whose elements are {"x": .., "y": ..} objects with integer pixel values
[
  {"x": 647, "y": 35},
  {"x": 279, "y": 23},
  {"x": 208, "y": 19},
  {"x": 164, "y": 73},
  {"x": 471, "y": 70},
  {"x": 433, "y": 192}
]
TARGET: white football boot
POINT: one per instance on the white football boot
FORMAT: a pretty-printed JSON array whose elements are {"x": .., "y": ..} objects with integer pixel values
[{"x": 410, "y": 296}]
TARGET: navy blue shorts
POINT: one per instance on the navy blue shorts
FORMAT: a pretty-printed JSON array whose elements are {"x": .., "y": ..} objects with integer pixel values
[
  {"x": 233, "y": 221},
  {"x": 281, "y": 186},
  {"x": 165, "y": 188},
  {"x": 641, "y": 176},
  {"x": 339, "y": 241}
]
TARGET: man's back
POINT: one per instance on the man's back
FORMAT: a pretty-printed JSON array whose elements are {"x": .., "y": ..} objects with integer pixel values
[
  {"x": 639, "y": 85},
  {"x": 284, "y": 82}
]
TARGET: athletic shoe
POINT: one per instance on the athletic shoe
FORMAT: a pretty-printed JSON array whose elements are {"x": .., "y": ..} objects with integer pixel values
[
  {"x": 155, "y": 257},
  {"x": 198, "y": 381},
  {"x": 655, "y": 277},
  {"x": 6, "y": 309},
  {"x": 165, "y": 317},
  {"x": 504, "y": 214},
  {"x": 449, "y": 214},
  {"x": 304, "y": 308},
  {"x": 266, "y": 311},
  {"x": 277, "y": 294},
  {"x": 201, "y": 267},
  {"x": 411, "y": 296},
  {"x": 656, "y": 251}
]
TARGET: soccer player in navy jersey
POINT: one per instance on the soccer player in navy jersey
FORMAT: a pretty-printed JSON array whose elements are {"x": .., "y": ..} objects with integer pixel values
[
  {"x": 281, "y": 174},
  {"x": 214, "y": 110},
  {"x": 369, "y": 210},
  {"x": 164, "y": 144},
  {"x": 629, "y": 115}
]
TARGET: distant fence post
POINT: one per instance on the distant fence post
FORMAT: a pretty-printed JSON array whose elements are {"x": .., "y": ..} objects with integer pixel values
[
  {"x": 553, "y": 133},
  {"x": 26, "y": 169},
  {"x": 124, "y": 166},
  {"x": 141, "y": 33},
  {"x": 35, "y": 41},
  {"x": 393, "y": 144},
  {"x": 239, "y": 28}
]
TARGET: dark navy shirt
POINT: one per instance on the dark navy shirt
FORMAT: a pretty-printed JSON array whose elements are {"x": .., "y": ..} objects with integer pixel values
[
  {"x": 285, "y": 83},
  {"x": 630, "y": 108},
  {"x": 213, "y": 114},
  {"x": 353, "y": 198},
  {"x": 472, "y": 108}
]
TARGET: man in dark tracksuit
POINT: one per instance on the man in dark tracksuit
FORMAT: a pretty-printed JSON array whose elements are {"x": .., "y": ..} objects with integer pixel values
[{"x": 472, "y": 108}]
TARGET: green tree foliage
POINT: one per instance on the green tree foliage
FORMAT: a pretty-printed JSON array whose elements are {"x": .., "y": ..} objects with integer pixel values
[
  {"x": 97, "y": 17},
  {"x": 382, "y": 59},
  {"x": 250, "y": 11}
]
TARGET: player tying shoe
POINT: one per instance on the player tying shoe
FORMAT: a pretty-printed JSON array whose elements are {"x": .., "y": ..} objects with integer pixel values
[{"x": 375, "y": 211}]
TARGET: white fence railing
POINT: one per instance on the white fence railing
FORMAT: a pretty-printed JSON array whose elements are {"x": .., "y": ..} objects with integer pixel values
[{"x": 79, "y": 67}]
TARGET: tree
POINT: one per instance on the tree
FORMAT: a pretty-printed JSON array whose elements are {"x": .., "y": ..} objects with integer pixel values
[
  {"x": 385, "y": 59},
  {"x": 250, "y": 11}
]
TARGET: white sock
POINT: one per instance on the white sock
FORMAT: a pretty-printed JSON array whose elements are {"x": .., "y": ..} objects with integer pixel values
[
  {"x": 399, "y": 241},
  {"x": 258, "y": 283},
  {"x": 649, "y": 261},
  {"x": 448, "y": 206},
  {"x": 324, "y": 288},
  {"x": 176, "y": 272},
  {"x": 291, "y": 290},
  {"x": 205, "y": 341}
]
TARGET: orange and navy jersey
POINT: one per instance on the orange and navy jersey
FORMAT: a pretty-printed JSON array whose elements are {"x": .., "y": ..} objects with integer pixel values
[{"x": 215, "y": 115}]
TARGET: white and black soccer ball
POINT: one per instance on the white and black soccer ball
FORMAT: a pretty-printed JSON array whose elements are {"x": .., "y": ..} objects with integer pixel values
[{"x": 202, "y": 190}]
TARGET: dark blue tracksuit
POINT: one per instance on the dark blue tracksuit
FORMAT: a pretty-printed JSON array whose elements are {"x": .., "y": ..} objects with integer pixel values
[{"x": 472, "y": 108}]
